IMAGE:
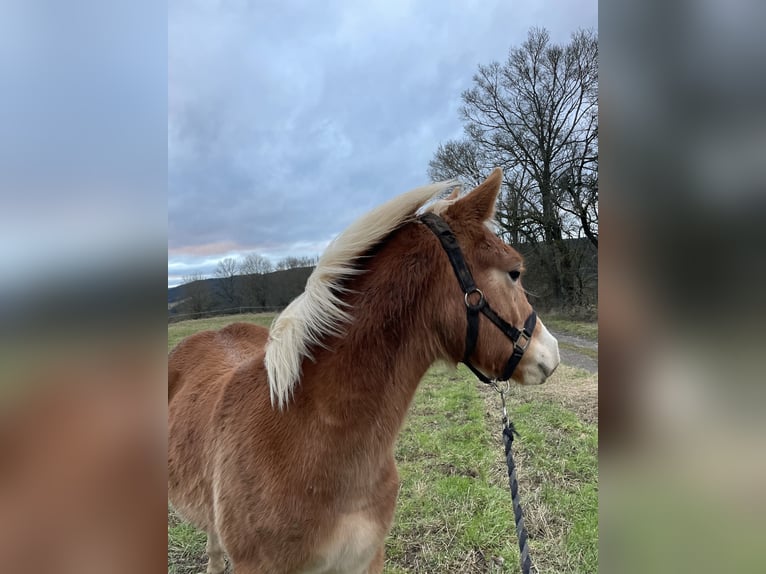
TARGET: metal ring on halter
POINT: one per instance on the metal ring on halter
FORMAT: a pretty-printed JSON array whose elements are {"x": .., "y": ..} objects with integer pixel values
[
  {"x": 478, "y": 305},
  {"x": 506, "y": 386}
]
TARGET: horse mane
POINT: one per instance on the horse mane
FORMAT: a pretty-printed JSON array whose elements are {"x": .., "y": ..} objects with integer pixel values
[{"x": 319, "y": 311}]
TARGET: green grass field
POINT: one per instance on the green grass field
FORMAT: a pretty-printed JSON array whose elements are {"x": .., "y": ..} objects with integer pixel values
[{"x": 454, "y": 511}]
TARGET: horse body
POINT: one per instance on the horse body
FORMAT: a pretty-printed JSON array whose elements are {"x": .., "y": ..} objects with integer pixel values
[{"x": 311, "y": 487}]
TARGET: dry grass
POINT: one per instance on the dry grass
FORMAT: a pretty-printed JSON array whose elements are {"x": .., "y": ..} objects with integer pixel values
[
  {"x": 572, "y": 389},
  {"x": 186, "y": 547}
]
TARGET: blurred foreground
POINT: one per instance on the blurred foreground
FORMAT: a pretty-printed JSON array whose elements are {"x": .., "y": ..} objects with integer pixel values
[{"x": 82, "y": 437}]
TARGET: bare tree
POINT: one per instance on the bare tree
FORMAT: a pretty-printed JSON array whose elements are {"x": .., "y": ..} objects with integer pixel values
[
  {"x": 254, "y": 264},
  {"x": 196, "y": 292},
  {"x": 296, "y": 262},
  {"x": 226, "y": 271},
  {"x": 579, "y": 199},
  {"x": 252, "y": 287},
  {"x": 536, "y": 115},
  {"x": 459, "y": 159}
]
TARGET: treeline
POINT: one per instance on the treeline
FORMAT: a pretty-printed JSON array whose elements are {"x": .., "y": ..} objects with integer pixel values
[
  {"x": 543, "y": 286},
  {"x": 536, "y": 116},
  {"x": 250, "y": 283}
]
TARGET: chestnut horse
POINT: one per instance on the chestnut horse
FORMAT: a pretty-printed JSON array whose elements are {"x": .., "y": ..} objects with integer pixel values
[{"x": 281, "y": 443}]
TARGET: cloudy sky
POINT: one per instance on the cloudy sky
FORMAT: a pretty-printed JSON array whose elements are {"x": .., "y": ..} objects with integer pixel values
[{"x": 287, "y": 120}]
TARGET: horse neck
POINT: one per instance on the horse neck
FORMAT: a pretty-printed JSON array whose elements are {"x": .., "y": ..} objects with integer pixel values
[{"x": 370, "y": 375}]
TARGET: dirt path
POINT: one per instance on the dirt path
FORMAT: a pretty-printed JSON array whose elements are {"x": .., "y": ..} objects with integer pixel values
[{"x": 578, "y": 351}]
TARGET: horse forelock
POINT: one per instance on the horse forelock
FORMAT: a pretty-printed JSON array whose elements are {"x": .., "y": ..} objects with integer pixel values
[{"x": 320, "y": 312}]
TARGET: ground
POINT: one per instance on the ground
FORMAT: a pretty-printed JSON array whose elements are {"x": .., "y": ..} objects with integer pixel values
[
  {"x": 578, "y": 352},
  {"x": 454, "y": 511}
]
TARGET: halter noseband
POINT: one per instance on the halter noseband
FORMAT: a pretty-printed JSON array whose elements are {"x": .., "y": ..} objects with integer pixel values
[{"x": 476, "y": 303}]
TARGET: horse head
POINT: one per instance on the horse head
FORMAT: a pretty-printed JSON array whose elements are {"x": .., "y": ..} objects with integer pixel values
[{"x": 502, "y": 347}]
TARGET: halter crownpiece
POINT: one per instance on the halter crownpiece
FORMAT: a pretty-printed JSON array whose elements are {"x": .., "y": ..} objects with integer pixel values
[{"x": 476, "y": 303}]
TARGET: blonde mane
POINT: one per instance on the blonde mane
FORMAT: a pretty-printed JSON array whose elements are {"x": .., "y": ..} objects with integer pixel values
[{"x": 319, "y": 312}]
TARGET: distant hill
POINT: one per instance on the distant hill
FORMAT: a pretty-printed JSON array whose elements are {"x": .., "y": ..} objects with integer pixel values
[{"x": 270, "y": 291}]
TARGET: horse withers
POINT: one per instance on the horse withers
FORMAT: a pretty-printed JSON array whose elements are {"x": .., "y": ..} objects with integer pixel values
[{"x": 281, "y": 442}]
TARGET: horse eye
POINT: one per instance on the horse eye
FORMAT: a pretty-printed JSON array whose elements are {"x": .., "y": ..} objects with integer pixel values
[{"x": 515, "y": 274}]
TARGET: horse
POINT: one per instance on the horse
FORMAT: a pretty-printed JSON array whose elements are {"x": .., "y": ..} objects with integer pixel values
[{"x": 281, "y": 441}]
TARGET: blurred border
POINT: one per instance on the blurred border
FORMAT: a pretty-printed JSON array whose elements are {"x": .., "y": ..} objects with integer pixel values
[
  {"x": 83, "y": 239},
  {"x": 681, "y": 274}
]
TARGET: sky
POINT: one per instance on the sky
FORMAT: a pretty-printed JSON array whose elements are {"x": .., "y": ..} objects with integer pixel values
[{"x": 288, "y": 120}]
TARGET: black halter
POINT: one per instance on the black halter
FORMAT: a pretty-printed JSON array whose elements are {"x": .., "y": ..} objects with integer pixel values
[{"x": 519, "y": 338}]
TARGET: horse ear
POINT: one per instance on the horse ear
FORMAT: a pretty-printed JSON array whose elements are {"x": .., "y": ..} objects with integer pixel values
[{"x": 479, "y": 203}]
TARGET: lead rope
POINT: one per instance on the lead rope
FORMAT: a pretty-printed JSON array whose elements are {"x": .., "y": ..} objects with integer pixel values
[{"x": 521, "y": 529}]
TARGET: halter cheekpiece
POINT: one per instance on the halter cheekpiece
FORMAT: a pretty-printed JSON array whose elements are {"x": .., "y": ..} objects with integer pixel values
[{"x": 476, "y": 303}]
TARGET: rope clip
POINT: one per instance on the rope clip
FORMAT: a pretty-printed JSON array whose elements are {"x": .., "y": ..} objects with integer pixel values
[{"x": 502, "y": 387}]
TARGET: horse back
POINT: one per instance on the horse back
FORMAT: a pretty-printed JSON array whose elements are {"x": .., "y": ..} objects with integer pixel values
[{"x": 209, "y": 355}]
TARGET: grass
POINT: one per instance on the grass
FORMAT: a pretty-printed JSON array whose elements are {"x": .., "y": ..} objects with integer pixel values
[
  {"x": 587, "y": 330},
  {"x": 449, "y": 517},
  {"x": 558, "y": 468},
  {"x": 454, "y": 511},
  {"x": 186, "y": 547}
]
